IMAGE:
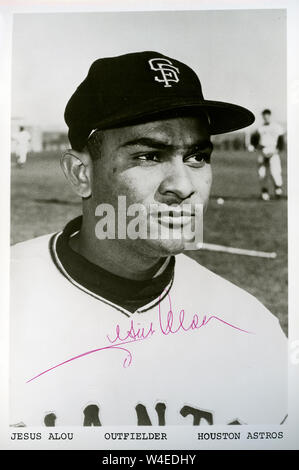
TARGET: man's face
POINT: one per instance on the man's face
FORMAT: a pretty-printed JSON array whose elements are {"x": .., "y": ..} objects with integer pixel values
[
  {"x": 267, "y": 118},
  {"x": 164, "y": 164}
]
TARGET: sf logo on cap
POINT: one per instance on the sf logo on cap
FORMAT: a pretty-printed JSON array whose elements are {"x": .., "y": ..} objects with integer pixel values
[{"x": 168, "y": 72}]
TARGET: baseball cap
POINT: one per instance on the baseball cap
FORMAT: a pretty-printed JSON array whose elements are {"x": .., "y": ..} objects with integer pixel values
[{"x": 141, "y": 86}]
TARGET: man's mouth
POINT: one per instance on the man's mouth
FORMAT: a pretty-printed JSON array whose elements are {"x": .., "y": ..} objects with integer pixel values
[
  {"x": 174, "y": 217},
  {"x": 175, "y": 222}
]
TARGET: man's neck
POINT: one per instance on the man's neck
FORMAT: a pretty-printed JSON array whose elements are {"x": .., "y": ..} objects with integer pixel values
[{"x": 112, "y": 256}]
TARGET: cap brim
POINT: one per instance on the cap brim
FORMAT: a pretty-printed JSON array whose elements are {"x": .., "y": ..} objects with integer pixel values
[
  {"x": 223, "y": 117},
  {"x": 227, "y": 117}
]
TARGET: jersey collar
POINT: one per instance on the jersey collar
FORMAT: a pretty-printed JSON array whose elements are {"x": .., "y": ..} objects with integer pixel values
[{"x": 124, "y": 294}]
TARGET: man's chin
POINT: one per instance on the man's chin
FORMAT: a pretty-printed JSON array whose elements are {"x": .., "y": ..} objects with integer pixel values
[{"x": 168, "y": 247}]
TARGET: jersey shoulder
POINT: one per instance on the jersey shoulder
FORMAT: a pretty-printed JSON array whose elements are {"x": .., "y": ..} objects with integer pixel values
[
  {"x": 220, "y": 295},
  {"x": 33, "y": 248},
  {"x": 31, "y": 264},
  {"x": 200, "y": 275}
]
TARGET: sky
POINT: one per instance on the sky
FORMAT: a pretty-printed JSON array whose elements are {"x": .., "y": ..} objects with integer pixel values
[{"x": 239, "y": 55}]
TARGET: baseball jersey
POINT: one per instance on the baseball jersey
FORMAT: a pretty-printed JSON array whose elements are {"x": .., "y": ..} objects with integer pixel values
[
  {"x": 203, "y": 351},
  {"x": 269, "y": 134}
]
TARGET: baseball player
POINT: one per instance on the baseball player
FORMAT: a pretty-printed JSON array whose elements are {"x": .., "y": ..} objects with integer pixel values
[
  {"x": 23, "y": 139},
  {"x": 268, "y": 141},
  {"x": 122, "y": 330}
]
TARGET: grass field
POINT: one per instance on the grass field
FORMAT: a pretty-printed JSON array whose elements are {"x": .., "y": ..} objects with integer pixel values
[{"x": 42, "y": 202}]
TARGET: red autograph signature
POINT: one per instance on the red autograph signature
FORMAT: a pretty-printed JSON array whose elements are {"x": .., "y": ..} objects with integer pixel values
[{"x": 167, "y": 325}]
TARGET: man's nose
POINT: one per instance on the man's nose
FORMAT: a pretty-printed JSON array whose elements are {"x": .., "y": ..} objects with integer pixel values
[{"x": 177, "y": 183}]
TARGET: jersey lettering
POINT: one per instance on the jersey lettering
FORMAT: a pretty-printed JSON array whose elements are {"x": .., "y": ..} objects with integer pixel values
[
  {"x": 197, "y": 414},
  {"x": 50, "y": 419},
  {"x": 91, "y": 416}
]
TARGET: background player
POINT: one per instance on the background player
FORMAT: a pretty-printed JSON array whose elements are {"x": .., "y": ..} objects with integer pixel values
[
  {"x": 23, "y": 139},
  {"x": 268, "y": 140}
]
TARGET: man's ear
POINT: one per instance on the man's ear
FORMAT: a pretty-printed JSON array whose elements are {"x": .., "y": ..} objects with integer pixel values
[{"x": 77, "y": 168}]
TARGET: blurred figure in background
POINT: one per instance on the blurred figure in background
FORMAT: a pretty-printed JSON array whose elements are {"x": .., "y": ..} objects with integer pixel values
[
  {"x": 268, "y": 141},
  {"x": 23, "y": 139}
]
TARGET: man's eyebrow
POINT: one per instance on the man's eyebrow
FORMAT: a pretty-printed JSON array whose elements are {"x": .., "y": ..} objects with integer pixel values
[
  {"x": 147, "y": 142},
  {"x": 160, "y": 144}
]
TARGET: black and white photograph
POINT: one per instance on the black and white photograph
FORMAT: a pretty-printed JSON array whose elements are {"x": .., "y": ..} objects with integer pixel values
[{"x": 148, "y": 282}]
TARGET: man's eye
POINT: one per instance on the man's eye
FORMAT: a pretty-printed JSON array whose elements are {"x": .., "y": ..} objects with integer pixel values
[
  {"x": 148, "y": 157},
  {"x": 198, "y": 160}
]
